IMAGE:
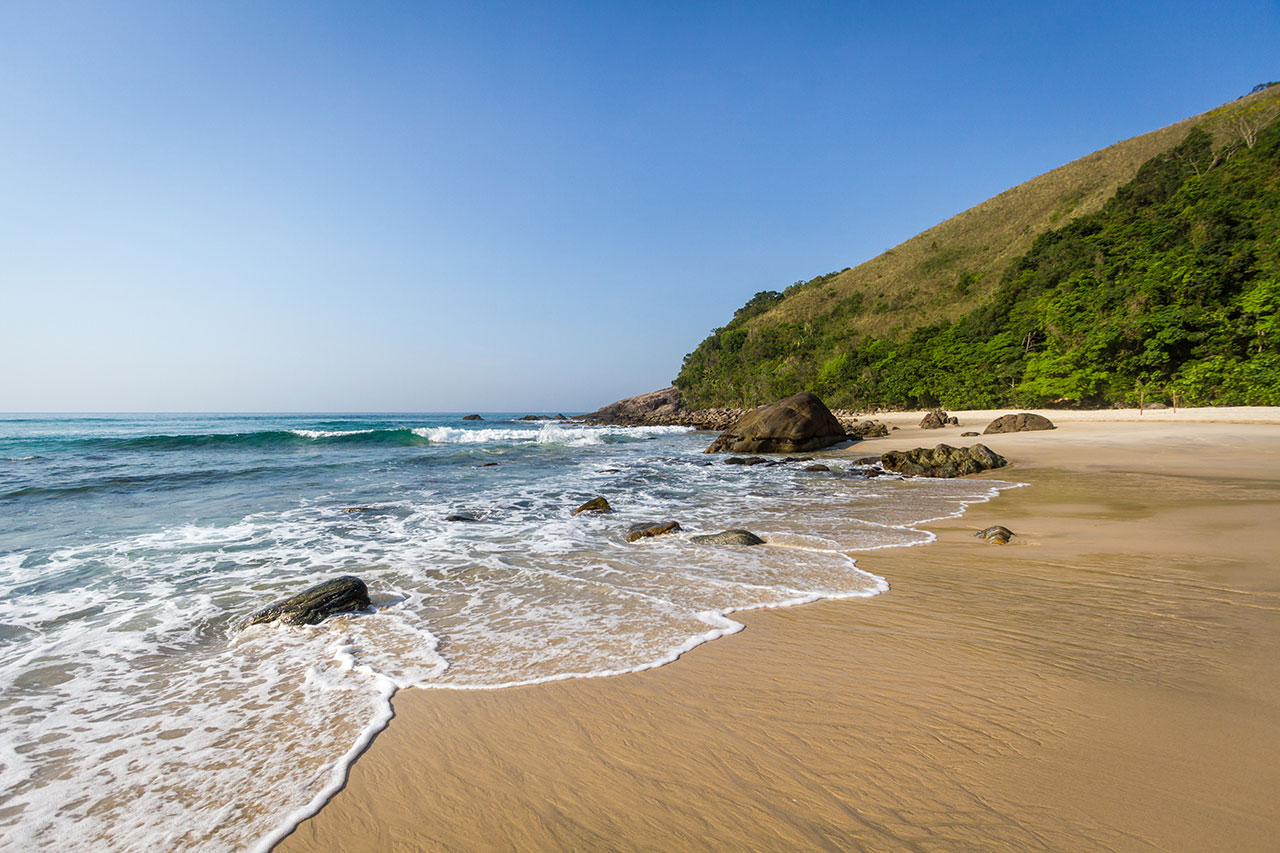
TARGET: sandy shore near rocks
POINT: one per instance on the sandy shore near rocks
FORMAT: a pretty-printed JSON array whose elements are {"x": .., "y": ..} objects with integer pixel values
[{"x": 1108, "y": 680}]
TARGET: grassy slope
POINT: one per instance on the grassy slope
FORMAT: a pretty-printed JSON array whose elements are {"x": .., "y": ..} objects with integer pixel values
[{"x": 952, "y": 268}]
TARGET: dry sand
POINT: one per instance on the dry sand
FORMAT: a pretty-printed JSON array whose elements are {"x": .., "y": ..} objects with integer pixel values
[{"x": 1109, "y": 680}]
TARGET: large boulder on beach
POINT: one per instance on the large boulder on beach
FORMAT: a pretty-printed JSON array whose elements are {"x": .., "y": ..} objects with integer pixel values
[
  {"x": 1021, "y": 422},
  {"x": 792, "y": 425},
  {"x": 942, "y": 461},
  {"x": 649, "y": 529},
  {"x": 340, "y": 595},
  {"x": 935, "y": 419},
  {"x": 728, "y": 537}
]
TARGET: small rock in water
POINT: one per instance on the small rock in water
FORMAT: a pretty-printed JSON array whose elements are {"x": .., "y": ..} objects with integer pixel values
[
  {"x": 357, "y": 509},
  {"x": 488, "y": 465},
  {"x": 647, "y": 529},
  {"x": 728, "y": 537},
  {"x": 816, "y": 468},
  {"x": 472, "y": 418},
  {"x": 599, "y": 505},
  {"x": 314, "y": 604},
  {"x": 997, "y": 535},
  {"x": 460, "y": 518}
]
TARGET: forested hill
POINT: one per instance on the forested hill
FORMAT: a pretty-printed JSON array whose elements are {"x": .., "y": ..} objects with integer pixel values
[{"x": 1166, "y": 284}]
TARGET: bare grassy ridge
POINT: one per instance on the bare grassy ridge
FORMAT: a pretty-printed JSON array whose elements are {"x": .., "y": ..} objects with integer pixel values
[{"x": 919, "y": 282}]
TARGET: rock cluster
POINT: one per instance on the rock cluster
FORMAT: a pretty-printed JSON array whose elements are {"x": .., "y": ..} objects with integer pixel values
[
  {"x": 1021, "y": 422},
  {"x": 792, "y": 425},
  {"x": 341, "y": 595},
  {"x": 937, "y": 419},
  {"x": 941, "y": 461}
]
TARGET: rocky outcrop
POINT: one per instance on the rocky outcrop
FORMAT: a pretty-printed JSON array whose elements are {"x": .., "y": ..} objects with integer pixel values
[
  {"x": 472, "y": 418},
  {"x": 340, "y": 595},
  {"x": 941, "y": 461},
  {"x": 996, "y": 535},
  {"x": 728, "y": 537},
  {"x": 642, "y": 410},
  {"x": 937, "y": 419},
  {"x": 792, "y": 425},
  {"x": 1021, "y": 422},
  {"x": 597, "y": 505},
  {"x": 649, "y": 529},
  {"x": 534, "y": 418}
]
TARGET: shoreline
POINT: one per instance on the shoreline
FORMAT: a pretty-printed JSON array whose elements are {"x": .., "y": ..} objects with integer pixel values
[{"x": 1088, "y": 708}]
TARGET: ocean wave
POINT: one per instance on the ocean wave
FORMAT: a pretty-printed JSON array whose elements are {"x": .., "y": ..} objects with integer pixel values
[{"x": 574, "y": 436}]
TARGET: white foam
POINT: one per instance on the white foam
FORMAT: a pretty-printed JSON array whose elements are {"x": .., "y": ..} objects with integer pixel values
[{"x": 324, "y": 433}]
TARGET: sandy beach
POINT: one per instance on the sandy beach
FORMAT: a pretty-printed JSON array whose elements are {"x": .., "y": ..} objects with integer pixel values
[{"x": 1108, "y": 680}]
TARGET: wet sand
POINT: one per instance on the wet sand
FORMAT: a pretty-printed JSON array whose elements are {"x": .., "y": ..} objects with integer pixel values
[{"x": 1108, "y": 680}]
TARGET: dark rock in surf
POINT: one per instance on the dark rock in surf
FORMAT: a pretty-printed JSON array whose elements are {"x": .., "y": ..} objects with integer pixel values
[
  {"x": 648, "y": 529},
  {"x": 815, "y": 468},
  {"x": 460, "y": 518},
  {"x": 357, "y": 509},
  {"x": 534, "y": 418},
  {"x": 1021, "y": 422},
  {"x": 472, "y": 418},
  {"x": 595, "y": 505},
  {"x": 996, "y": 535},
  {"x": 792, "y": 425},
  {"x": 344, "y": 594},
  {"x": 728, "y": 537}
]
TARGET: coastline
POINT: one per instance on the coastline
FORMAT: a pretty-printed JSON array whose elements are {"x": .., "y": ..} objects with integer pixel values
[{"x": 1109, "y": 679}]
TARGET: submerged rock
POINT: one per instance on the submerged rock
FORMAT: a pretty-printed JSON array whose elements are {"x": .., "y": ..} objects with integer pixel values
[
  {"x": 648, "y": 529},
  {"x": 942, "y": 461},
  {"x": 599, "y": 505},
  {"x": 472, "y": 418},
  {"x": 728, "y": 537},
  {"x": 341, "y": 595},
  {"x": 792, "y": 425},
  {"x": 1021, "y": 422},
  {"x": 997, "y": 535},
  {"x": 357, "y": 509}
]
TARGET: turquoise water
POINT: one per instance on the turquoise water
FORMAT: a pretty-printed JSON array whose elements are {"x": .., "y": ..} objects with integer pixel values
[{"x": 134, "y": 715}]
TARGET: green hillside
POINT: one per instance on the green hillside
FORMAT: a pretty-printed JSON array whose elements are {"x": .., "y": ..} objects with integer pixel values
[{"x": 1151, "y": 264}]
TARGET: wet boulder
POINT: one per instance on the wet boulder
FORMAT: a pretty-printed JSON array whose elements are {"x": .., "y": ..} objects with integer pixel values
[
  {"x": 649, "y": 529},
  {"x": 996, "y": 535},
  {"x": 942, "y": 461},
  {"x": 343, "y": 594},
  {"x": 815, "y": 468},
  {"x": 795, "y": 424},
  {"x": 595, "y": 505},
  {"x": 728, "y": 537},
  {"x": 1021, "y": 422}
]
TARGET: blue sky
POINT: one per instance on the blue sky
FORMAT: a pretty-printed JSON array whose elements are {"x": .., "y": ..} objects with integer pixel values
[{"x": 311, "y": 206}]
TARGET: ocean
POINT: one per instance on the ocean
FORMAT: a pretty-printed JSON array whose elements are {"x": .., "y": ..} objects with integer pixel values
[{"x": 135, "y": 712}]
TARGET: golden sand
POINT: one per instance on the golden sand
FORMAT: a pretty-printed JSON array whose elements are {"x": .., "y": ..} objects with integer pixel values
[{"x": 1108, "y": 680}]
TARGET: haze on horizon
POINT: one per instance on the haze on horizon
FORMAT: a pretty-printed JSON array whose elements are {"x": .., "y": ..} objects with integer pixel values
[{"x": 393, "y": 207}]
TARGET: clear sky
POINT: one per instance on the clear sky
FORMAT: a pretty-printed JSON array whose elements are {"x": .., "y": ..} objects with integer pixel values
[{"x": 277, "y": 206}]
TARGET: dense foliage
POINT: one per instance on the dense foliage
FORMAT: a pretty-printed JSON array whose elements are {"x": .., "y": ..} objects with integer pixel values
[{"x": 1172, "y": 289}]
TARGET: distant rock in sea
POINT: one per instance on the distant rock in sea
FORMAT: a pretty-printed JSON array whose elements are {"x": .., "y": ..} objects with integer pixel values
[{"x": 472, "y": 418}]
